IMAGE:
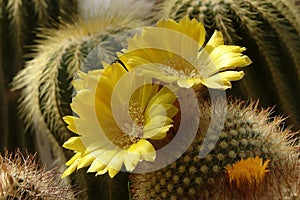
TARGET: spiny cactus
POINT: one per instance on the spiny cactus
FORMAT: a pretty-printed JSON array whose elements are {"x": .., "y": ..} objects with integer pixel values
[
  {"x": 270, "y": 30},
  {"x": 94, "y": 9},
  {"x": 18, "y": 22},
  {"x": 23, "y": 178},
  {"x": 247, "y": 133}
]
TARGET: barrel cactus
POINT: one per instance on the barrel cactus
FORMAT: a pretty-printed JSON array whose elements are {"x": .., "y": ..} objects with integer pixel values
[
  {"x": 249, "y": 137},
  {"x": 21, "y": 177},
  {"x": 19, "y": 21},
  {"x": 270, "y": 31}
]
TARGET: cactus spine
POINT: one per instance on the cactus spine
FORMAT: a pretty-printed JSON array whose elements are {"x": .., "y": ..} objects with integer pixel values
[
  {"x": 22, "y": 178},
  {"x": 247, "y": 132},
  {"x": 270, "y": 31}
]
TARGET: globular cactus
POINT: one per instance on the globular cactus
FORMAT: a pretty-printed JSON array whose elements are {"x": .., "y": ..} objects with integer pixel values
[
  {"x": 270, "y": 30},
  {"x": 247, "y": 133},
  {"x": 21, "y": 177},
  {"x": 45, "y": 82},
  {"x": 19, "y": 20}
]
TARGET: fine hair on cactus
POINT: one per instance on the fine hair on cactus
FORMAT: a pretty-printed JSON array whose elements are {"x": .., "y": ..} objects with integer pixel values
[
  {"x": 21, "y": 177},
  {"x": 270, "y": 30},
  {"x": 248, "y": 135}
]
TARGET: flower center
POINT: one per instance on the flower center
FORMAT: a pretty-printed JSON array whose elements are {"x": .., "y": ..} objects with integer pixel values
[
  {"x": 130, "y": 130},
  {"x": 134, "y": 126},
  {"x": 182, "y": 73}
]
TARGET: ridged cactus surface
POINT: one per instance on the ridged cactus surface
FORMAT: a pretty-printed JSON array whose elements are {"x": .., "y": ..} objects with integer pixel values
[
  {"x": 19, "y": 20},
  {"x": 270, "y": 30},
  {"x": 247, "y": 133}
]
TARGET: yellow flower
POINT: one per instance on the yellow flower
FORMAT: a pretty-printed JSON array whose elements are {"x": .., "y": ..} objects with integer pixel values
[
  {"x": 249, "y": 172},
  {"x": 116, "y": 112},
  {"x": 175, "y": 52}
]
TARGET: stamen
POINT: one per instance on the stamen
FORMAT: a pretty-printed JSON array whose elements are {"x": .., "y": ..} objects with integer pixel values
[{"x": 131, "y": 129}]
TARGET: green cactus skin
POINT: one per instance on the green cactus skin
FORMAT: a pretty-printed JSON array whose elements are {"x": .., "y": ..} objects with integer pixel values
[
  {"x": 270, "y": 30},
  {"x": 247, "y": 132},
  {"x": 21, "y": 177},
  {"x": 19, "y": 20}
]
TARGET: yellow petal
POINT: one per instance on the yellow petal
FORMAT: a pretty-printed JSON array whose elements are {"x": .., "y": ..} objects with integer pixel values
[
  {"x": 81, "y": 103},
  {"x": 112, "y": 172},
  {"x": 96, "y": 166},
  {"x": 186, "y": 83},
  {"x": 70, "y": 120},
  {"x": 85, "y": 161},
  {"x": 108, "y": 156},
  {"x": 226, "y": 57},
  {"x": 158, "y": 133},
  {"x": 143, "y": 148},
  {"x": 216, "y": 82},
  {"x": 191, "y": 28},
  {"x": 74, "y": 159},
  {"x": 74, "y": 143},
  {"x": 69, "y": 170},
  {"x": 102, "y": 171},
  {"x": 131, "y": 161},
  {"x": 116, "y": 162},
  {"x": 215, "y": 40}
]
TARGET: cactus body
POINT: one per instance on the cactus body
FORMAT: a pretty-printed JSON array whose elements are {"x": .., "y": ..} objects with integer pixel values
[
  {"x": 18, "y": 22},
  {"x": 270, "y": 31},
  {"x": 246, "y": 133}
]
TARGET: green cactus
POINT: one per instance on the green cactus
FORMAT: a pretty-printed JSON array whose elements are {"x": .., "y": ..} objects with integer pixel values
[
  {"x": 270, "y": 30},
  {"x": 21, "y": 177},
  {"x": 247, "y": 132},
  {"x": 19, "y": 20}
]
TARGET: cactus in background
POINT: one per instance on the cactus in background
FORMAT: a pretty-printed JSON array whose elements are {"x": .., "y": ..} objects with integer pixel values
[
  {"x": 270, "y": 30},
  {"x": 23, "y": 178},
  {"x": 18, "y": 22},
  {"x": 247, "y": 133}
]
